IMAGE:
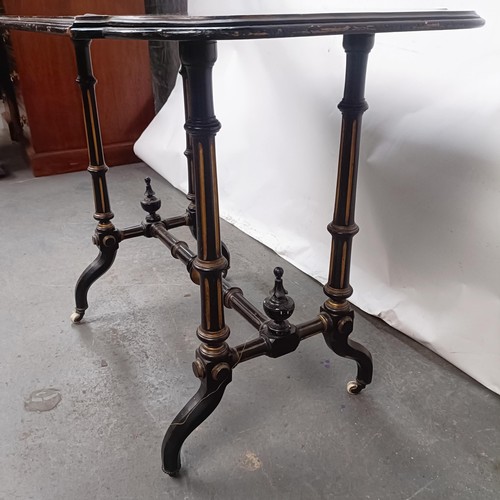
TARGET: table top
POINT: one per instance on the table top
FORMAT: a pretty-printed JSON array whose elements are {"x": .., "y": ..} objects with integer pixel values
[{"x": 183, "y": 27}]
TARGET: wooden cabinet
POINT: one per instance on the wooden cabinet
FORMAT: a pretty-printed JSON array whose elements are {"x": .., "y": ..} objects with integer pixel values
[{"x": 47, "y": 73}]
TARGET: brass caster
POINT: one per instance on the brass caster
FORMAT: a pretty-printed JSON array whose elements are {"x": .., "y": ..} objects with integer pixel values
[
  {"x": 76, "y": 317},
  {"x": 354, "y": 387}
]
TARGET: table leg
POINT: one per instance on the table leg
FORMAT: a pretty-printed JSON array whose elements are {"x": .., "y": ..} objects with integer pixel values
[
  {"x": 106, "y": 236},
  {"x": 343, "y": 227},
  {"x": 213, "y": 364},
  {"x": 188, "y": 153}
]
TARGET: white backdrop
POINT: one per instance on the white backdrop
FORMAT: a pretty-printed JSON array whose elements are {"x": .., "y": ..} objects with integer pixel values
[{"x": 427, "y": 258}]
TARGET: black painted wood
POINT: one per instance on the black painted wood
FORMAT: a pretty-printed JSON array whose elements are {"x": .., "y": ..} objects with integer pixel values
[
  {"x": 179, "y": 27},
  {"x": 215, "y": 360},
  {"x": 343, "y": 228},
  {"x": 106, "y": 236},
  {"x": 213, "y": 363},
  {"x": 51, "y": 25}
]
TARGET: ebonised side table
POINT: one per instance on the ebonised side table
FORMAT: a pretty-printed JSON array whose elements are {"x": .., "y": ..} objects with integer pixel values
[{"x": 276, "y": 336}]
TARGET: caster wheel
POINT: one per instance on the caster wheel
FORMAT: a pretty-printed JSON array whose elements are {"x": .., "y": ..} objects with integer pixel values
[
  {"x": 354, "y": 387},
  {"x": 76, "y": 317}
]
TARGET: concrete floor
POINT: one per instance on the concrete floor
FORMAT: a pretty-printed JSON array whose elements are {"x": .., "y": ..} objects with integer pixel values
[{"x": 286, "y": 428}]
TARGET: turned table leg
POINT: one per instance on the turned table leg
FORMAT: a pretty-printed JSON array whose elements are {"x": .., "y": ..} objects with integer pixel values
[
  {"x": 213, "y": 363},
  {"x": 188, "y": 153},
  {"x": 343, "y": 227},
  {"x": 106, "y": 237}
]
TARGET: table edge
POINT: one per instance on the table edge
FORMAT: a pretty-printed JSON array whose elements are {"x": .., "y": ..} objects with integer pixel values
[{"x": 180, "y": 27}]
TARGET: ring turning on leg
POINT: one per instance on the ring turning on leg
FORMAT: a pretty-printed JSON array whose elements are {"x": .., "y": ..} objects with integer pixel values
[
  {"x": 190, "y": 101},
  {"x": 213, "y": 364},
  {"x": 343, "y": 227},
  {"x": 106, "y": 236}
]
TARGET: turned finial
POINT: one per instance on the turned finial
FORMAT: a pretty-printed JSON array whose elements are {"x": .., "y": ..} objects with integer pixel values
[
  {"x": 150, "y": 203},
  {"x": 279, "y": 306}
]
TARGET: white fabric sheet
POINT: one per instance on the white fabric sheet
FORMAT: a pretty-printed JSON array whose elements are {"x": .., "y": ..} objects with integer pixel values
[{"x": 427, "y": 258}]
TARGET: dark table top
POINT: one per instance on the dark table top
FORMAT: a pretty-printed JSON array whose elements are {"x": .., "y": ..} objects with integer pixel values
[{"x": 180, "y": 27}]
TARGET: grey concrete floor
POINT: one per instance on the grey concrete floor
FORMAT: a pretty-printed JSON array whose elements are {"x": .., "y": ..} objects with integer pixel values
[{"x": 286, "y": 428}]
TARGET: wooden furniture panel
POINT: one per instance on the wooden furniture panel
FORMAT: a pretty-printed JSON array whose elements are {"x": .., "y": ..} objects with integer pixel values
[{"x": 46, "y": 65}]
